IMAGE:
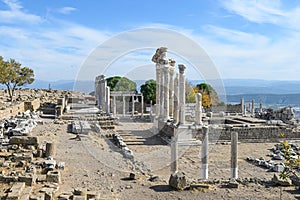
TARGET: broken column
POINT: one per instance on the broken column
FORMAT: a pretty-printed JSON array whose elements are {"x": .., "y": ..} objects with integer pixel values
[
  {"x": 252, "y": 108},
  {"x": 260, "y": 107},
  {"x": 50, "y": 149},
  {"x": 243, "y": 105},
  {"x": 171, "y": 86},
  {"x": 204, "y": 153},
  {"x": 182, "y": 93},
  {"x": 174, "y": 152},
  {"x": 234, "y": 155},
  {"x": 198, "y": 117},
  {"x": 176, "y": 99}
]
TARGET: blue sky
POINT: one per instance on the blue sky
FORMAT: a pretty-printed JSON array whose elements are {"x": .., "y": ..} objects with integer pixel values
[{"x": 245, "y": 39}]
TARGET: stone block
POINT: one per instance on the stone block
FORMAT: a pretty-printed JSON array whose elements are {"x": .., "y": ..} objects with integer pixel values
[
  {"x": 79, "y": 198},
  {"x": 16, "y": 191},
  {"x": 24, "y": 140},
  {"x": 26, "y": 193},
  {"x": 178, "y": 181},
  {"x": 53, "y": 176},
  {"x": 28, "y": 179},
  {"x": 92, "y": 195},
  {"x": 39, "y": 196},
  {"x": 282, "y": 182}
]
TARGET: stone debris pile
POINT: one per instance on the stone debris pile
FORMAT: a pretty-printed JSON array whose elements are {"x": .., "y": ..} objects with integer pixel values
[{"x": 118, "y": 140}]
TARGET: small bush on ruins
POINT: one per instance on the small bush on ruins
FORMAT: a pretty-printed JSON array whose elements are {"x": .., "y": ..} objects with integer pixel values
[
  {"x": 13, "y": 75},
  {"x": 292, "y": 162}
]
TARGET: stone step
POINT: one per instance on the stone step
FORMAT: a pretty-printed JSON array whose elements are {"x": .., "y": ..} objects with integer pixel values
[
  {"x": 16, "y": 191},
  {"x": 26, "y": 193}
]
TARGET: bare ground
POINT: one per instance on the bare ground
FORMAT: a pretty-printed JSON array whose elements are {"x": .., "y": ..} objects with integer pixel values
[{"x": 94, "y": 163}]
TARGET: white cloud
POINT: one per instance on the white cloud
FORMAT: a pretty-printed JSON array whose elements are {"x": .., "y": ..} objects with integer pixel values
[
  {"x": 264, "y": 11},
  {"x": 15, "y": 14},
  {"x": 66, "y": 10}
]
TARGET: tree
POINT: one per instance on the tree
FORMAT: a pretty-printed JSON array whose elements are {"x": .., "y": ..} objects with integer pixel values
[
  {"x": 209, "y": 95},
  {"x": 190, "y": 93},
  {"x": 149, "y": 91},
  {"x": 117, "y": 83},
  {"x": 13, "y": 75}
]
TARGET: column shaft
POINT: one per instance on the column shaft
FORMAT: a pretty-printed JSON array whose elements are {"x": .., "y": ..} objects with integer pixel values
[
  {"x": 204, "y": 153},
  {"x": 234, "y": 155}
]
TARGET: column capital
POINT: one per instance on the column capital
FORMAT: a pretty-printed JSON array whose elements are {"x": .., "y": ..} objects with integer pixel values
[
  {"x": 171, "y": 70},
  {"x": 181, "y": 68}
]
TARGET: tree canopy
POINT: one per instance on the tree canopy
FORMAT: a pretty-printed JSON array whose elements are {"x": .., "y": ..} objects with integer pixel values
[
  {"x": 13, "y": 75},
  {"x": 209, "y": 95},
  {"x": 117, "y": 83},
  {"x": 149, "y": 91}
]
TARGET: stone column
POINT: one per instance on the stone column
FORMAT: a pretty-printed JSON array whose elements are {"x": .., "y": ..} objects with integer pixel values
[
  {"x": 158, "y": 79},
  {"x": 249, "y": 107},
  {"x": 174, "y": 152},
  {"x": 166, "y": 92},
  {"x": 182, "y": 94},
  {"x": 171, "y": 87},
  {"x": 204, "y": 153},
  {"x": 198, "y": 113},
  {"x": 124, "y": 106},
  {"x": 114, "y": 106},
  {"x": 260, "y": 107},
  {"x": 151, "y": 107},
  {"x": 50, "y": 149},
  {"x": 242, "y": 105},
  {"x": 161, "y": 95},
  {"x": 252, "y": 108},
  {"x": 107, "y": 100},
  {"x": 176, "y": 99},
  {"x": 132, "y": 109},
  {"x": 103, "y": 92},
  {"x": 142, "y": 105},
  {"x": 234, "y": 155},
  {"x": 245, "y": 110}
]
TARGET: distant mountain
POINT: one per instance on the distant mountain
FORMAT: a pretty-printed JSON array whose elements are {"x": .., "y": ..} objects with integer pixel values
[{"x": 231, "y": 86}]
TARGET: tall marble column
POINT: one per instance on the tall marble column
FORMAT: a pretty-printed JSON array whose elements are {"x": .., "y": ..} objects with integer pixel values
[
  {"x": 132, "y": 109},
  {"x": 171, "y": 87},
  {"x": 176, "y": 99},
  {"x": 198, "y": 117},
  {"x": 166, "y": 92},
  {"x": 158, "y": 79},
  {"x": 124, "y": 106},
  {"x": 142, "y": 105},
  {"x": 161, "y": 95},
  {"x": 107, "y": 100},
  {"x": 182, "y": 93},
  {"x": 114, "y": 106}
]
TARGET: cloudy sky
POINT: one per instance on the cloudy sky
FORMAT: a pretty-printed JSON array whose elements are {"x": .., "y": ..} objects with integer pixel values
[{"x": 245, "y": 39}]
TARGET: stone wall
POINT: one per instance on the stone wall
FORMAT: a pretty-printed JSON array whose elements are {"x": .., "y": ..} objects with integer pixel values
[
  {"x": 252, "y": 134},
  {"x": 12, "y": 111},
  {"x": 32, "y": 105}
]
